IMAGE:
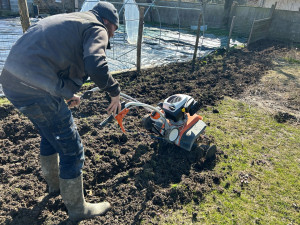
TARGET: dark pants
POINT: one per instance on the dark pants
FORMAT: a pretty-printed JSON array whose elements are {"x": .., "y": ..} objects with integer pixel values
[{"x": 54, "y": 121}]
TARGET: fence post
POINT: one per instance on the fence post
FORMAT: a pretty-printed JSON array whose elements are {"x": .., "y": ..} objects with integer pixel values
[
  {"x": 250, "y": 35},
  {"x": 230, "y": 32},
  {"x": 232, "y": 11},
  {"x": 273, "y": 7},
  {"x": 227, "y": 8},
  {"x": 76, "y": 6},
  {"x": 197, "y": 38},
  {"x": 139, "y": 40},
  {"x": 24, "y": 14}
]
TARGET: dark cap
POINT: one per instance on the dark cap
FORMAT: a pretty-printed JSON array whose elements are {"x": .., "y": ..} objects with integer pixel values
[{"x": 107, "y": 11}]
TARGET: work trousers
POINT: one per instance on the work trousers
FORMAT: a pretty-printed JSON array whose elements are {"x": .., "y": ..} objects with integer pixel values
[{"x": 54, "y": 121}]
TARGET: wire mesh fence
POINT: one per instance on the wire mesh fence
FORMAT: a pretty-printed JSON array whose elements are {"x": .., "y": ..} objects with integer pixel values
[
  {"x": 165, "y": 42},
  {"x": 10, "y": 31},
  {"x": 161, "y": 43}
]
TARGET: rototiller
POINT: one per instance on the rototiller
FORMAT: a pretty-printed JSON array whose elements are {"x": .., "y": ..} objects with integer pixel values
[{"x": 175, "y": 120}]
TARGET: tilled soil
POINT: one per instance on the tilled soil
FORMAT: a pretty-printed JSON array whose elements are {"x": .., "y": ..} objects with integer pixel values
[{"x": 140, "y": 175}]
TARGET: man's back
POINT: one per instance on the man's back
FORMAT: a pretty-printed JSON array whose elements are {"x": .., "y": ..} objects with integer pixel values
[{"x": 51, "y": 50}]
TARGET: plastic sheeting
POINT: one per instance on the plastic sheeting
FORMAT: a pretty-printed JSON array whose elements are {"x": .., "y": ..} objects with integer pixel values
[
  {"x": 131, "y": 14},
  {"x": 131, "y": 20}
]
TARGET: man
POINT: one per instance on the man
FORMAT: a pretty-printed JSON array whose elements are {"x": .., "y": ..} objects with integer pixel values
[{"x": 48, "y": 65}]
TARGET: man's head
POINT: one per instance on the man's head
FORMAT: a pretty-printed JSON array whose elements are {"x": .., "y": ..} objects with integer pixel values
[{"x": 109, "y": 14}]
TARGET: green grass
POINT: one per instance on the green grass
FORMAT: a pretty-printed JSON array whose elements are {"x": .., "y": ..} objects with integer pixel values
[
  {"x": 3, "y": 101},
  {"x": 292, "y": 60},
  {"x": 262, "y": 170},
  {"x": 88, "y": 83}
]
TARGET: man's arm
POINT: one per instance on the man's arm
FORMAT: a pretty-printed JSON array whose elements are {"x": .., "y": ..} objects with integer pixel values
[
  {"x": 94, "y": 46},
  {"x": 95, "y": 63}
]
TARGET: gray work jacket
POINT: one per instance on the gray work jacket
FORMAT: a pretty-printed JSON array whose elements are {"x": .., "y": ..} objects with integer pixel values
[{"x": 58, "y": 53}]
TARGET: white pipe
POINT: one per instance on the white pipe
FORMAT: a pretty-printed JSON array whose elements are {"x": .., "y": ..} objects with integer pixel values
[
  {"x": 128, "y": 97},
  {"x": 127, "y": 105}
]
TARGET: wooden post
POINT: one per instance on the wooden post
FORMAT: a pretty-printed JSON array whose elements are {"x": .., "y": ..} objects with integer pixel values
[
  {"x": 76, "y": 5},
  {"x": 139, "y": 40},
  {"x": 230, "y": 32},
  {"x": 24, "y": 14},
  {"x": 197, "y": 38},
  {"x": 227, "y": 9},
  {"x": 249, "y": 39},
  {"x": 232, "y": 11},
  {"x": 272, "y": 10}
]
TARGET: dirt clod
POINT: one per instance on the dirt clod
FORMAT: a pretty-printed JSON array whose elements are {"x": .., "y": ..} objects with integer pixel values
[{"x": 282, "y": 117}]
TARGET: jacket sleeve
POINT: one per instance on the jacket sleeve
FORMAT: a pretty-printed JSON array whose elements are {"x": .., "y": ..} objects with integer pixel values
[{"x": 95, "y": 41}]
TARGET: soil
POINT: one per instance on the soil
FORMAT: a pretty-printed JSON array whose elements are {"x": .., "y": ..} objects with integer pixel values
[{"x": 140, "y": 175}]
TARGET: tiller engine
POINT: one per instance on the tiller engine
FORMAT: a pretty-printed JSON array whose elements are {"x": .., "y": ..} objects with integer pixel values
[{"x": 175, "y": 120}]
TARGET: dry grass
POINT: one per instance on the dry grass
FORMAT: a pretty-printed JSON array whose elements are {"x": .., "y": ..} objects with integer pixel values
[{"x": 279, "y": 89}]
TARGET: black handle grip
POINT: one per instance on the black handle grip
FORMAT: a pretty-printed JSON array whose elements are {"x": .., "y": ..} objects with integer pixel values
[
  {"x": 106, "y": 121},
  {"x": 111, "y": 117},
  {"x": 87, "y": 95}
]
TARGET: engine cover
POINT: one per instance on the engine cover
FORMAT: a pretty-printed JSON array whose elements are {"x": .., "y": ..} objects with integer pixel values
[
  {"x": 179, "y": 124},
  {"x": 176, "y": 106}
]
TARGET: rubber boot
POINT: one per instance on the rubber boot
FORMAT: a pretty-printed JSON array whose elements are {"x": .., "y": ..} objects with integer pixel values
[
  {"x": 50, "y": 171},
  {"x": 71, "y": 191}
]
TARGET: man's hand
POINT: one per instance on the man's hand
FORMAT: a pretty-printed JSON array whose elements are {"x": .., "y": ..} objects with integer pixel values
[
  {"x": 74, "y": 101},
  {"x": 114, "y": 106}
]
